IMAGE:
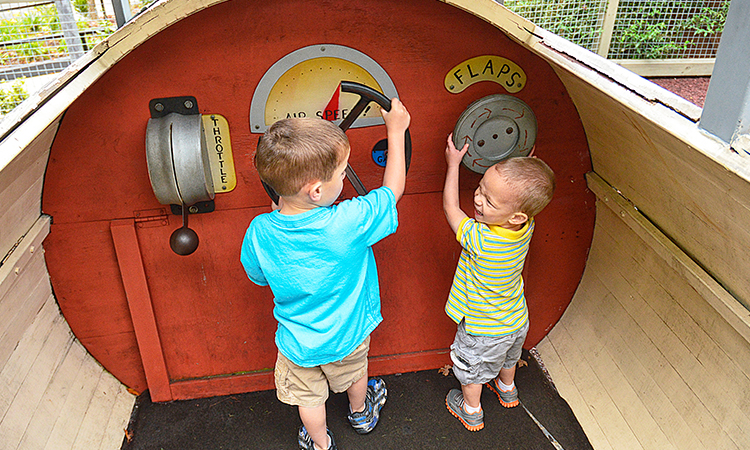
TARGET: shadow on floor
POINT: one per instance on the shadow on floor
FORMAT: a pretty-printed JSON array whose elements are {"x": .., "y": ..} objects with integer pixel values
[{"x": 414, "y": 417}]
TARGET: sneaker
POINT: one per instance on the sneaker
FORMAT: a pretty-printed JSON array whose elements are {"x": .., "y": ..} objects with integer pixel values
[
  {"x": 363, "y": 422},
  {"x": 455, "y": 404},
  {"x": 306, "y": 442},
  {"x": 509, "y": 399}
]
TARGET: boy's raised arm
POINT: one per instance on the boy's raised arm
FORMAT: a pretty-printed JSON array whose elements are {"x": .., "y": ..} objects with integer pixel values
[
  {"x": 396, "y": 122},
  {"x": 451, "y": 205}
]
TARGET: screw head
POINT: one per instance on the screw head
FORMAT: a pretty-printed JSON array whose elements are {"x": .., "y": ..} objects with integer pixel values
[
  {"x": 188, "y": 104},
  {"x": 159, "y": 107}
]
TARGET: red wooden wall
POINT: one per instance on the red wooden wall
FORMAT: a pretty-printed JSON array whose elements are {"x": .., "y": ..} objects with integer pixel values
[{"x": 214, "y": 328}]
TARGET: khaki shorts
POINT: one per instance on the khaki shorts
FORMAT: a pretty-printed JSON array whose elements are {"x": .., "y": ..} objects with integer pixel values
[{"x": 309, "y": 386}]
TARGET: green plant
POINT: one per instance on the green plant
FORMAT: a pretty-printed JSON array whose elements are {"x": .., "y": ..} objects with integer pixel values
[
  {"x": 12, "y": 97},
  {"x": 710, "y": 21},
  {"x": 576, "y": 20},
  {"x": 664, "y": 28},
  {"x": 82, "y": 6}
]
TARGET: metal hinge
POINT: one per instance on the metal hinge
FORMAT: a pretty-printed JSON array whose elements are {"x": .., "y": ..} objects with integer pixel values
[{"x": 148, "y": 218}]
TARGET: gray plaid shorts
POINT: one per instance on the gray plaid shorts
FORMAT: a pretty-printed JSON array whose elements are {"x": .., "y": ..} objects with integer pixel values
[{"x": 478, "y": 359}]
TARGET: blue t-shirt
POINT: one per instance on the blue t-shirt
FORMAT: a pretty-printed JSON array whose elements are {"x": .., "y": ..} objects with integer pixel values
[{"x": 321, "y": 270}]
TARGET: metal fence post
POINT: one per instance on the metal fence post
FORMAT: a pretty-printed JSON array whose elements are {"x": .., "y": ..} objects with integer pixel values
[
  {"x": 726, "y": 111},
  {"x": 122, "y": 11},
  {"x": 69, "y": 28}
]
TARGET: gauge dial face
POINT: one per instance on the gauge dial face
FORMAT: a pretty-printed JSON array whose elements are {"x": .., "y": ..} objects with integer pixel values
[
  {"x": 306, "y": 83},
  {"x": 311, "y": 89}
]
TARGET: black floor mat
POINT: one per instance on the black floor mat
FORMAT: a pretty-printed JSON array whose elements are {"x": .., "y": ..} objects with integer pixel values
[{"x": 414, "y": 417}]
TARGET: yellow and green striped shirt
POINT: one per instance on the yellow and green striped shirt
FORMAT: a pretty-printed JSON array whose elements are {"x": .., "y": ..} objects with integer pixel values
[{"x": 487, "y": 289}]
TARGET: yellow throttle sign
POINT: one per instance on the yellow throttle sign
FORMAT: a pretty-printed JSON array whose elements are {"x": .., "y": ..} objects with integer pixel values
[
  {"x": 216, "y": 129},
  {"x": 500, "y": 70}
]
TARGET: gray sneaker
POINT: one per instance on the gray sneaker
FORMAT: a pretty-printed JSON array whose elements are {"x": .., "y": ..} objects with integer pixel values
[
  {"x": 455, "y": 404},
  {"x": 508, "y": 399}
]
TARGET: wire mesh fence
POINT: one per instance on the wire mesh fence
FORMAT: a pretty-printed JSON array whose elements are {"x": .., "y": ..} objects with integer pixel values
[
  {"x": 579, "y": 21},
  {"x": 640, "y": 29},
  {"x": 38, "y": 38}
]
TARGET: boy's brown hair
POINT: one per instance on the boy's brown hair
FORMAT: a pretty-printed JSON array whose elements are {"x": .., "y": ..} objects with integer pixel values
[
  {"x": 533, "y": 181},
  {"x": 294, "y": 152}
]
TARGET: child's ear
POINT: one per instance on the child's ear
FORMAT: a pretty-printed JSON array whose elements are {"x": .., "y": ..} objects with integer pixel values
[
  {"x": 315, "y": 191},
  {"x": 518, "y": 218}
]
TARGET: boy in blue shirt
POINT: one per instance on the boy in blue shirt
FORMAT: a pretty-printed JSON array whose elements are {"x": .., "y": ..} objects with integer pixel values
[
  {"x": 487, "y": 297},
  {"x": 317, "y": 259}
]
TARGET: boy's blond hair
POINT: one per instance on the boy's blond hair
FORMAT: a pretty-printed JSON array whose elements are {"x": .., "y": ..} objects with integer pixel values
[
  {"x": 294, "y": 152},
  {"x": 531, "y": 179}
]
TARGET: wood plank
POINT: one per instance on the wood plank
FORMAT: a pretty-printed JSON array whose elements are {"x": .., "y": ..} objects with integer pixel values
[
  {"x": 15, "y": 419},
  {"x": 16, "y": 260},
  {"x": 683, "y": 67},
  {"x": 35, "y": 152},
  {"x": 141, "y": 310},
  {"x": 29, "y": 347},
  {"x": 688, "y": 369},
  {"x": 653, "y": 399},
  {"x": 655, "y": 162},
  {"x": 609, "y": 418},
  {"x": 708, "y": 288},
  {"x": 567, "y": 389},
  {"x": 114, "y": 432},
  {"x": 661, "y": 289},
  {"x": 716, "y": 342},
  {"x": 100, "y": 410},
  {"x": 43, "y": 418},
  {"x": 73, "y": 411},
  {"x": 22, "y": 214},
  {"x": 19, "y": 322},
  {"x": 618, "y": 388}
]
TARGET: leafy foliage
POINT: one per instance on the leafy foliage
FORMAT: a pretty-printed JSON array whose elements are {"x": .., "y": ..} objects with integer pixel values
[
  {"x": 12, "y": 97},
  {"x": 643, "y": 29}
]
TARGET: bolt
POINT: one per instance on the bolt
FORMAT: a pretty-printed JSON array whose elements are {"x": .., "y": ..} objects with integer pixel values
[
  {"x": 159, "y": 107},
  {"x": 188, "y": 104},
  {"x": 193, "y": 209}
]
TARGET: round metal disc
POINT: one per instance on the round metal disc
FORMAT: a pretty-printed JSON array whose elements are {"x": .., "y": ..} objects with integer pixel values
[{"x": 497, "y": 127}]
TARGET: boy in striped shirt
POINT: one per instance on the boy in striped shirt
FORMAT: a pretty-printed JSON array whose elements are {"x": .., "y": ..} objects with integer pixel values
[{"x": 487, "y": 299}]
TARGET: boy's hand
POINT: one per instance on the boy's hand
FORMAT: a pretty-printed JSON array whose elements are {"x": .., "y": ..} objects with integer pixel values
[
  {"x": 453, "y": 156},
  {"x": 398, "y": 118}
]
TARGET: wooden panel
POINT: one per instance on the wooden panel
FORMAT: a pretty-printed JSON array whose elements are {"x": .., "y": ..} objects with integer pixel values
[
  {"x": 568, "y": 390},
  {"x": 141, "y": 309},
  {"x": 662, "y": 163},
  {"x": 74, "y": 408},
  {"x": 61, "y": 386},
  {"x": 19, "y": 363},
  {"x": 211, "y": 320},
  {"x": 19, "y": 308},
  {"x": 99, "y": 412},
  {"x": 21, "y": 189},
  {"x": 33, "y": 383},
  {"x": 118, "y": 421},
  {"x": 647, "y": 316}
]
